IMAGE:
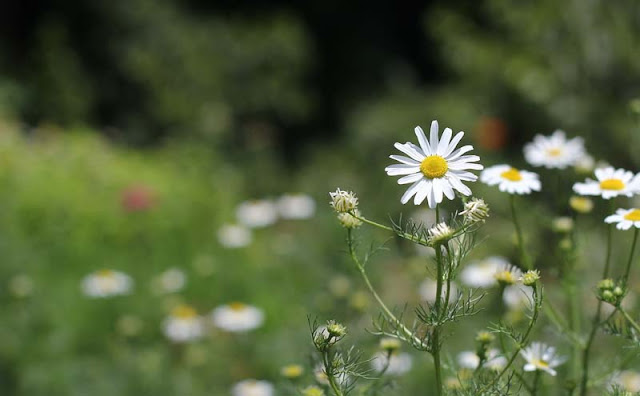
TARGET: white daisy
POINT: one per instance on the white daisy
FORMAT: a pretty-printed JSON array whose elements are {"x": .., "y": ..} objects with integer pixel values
[
  {"x": 435, "y": 168},
  {"x": 234, "y": 236},
  {"x": 183, "y": 324},
  {"x": 555, "y": 151},
  {"x": 540, "y": 356},
  {"x": 510, "y": 179},
  {"x": 508, "y": 274},
  {"x": 610, "y": 183},
  {"x": 106, "y": 283},
  {"x": 170, "y": 281},
  {"x": 398, "y": 363},
  {"x": 627, "y": 380},
  {"x": 482, "y": 273},
  {"x": 626, "y": 218},
  {"x": 251, "y": 387},
  {"x": 257, "y": 214},
  {"x": 517, "y": 296},
  {"x": 470, "y": 360},
  {"x": 237, "y": 317},
  {"x": 429, "y": 288},
  {"x": 296, "y": 206}
]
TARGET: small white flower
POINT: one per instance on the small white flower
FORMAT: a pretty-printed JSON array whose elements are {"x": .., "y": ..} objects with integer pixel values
[
  {"x": 435, "y": 168},
  {"x": 625, "y": 218},
  {"x": 627, "y": 380},
  {"x": 234, "y": 236},
  {"x": 398, "y": 363},
  {"x": 508, "y": 274},
  {"x": 476, "y": 210},
  {"x": 469, "y": 360},
  {"x": 183, "y": 324},
  {"x": 555, "y": 151},
  {"x": 585, "y": 164},
  {"x": 482, "y": 273},
  {"x": 170, "y": 281},
  {"x": 439, "y": 233},
  {"x": 343, "y": 201},
  {"x": 296, "y": 206},
  {"x": 495, "y": 361},
  {"x": 540, "y": 356},
  {"x": 237, "y": 317},
  {"x": 610, "y": 183},
  {"x": 257, "y": 214},
  {"x": 511, "y": 180},
  {"x": 517, "y": 296},
  {"x": 251, "y": 387},
  {"x": 321, "y": 376},
  {"x": 106, "y": 283},
  {"x": 429, "y": 288}
]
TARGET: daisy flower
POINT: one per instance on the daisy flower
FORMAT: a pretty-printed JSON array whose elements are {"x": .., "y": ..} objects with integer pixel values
[
  {"x": 483, "y": 273},
  {"x": 237, "y": 317},
  {"x": 510, "y": 179},
  {"x": 540, "y": 356},
  {"x": 508, "y": 274},
  {"x": 234, "y": 236},
  {"x": 257, "y": 214},
  {"x": 610, "y": 183},
  {"x": 251, "y": 387},
  {"x": 555, "y": 151},
  {"x": 627, "y": 380},
  {"x": 395, "y": 363},
  {"x": 625, "y": 218},
  {"x": 470, "y": 360},
  {"x": 183, "y": 324},
  {"x": 170, "y": 281},
  {"x": 106, "y": 283},
  {"x": 435, "y": 168},
  {"x": 296, "y": 206}
]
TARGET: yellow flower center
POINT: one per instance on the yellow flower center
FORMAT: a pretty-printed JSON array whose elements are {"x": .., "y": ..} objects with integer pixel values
[
  {"x": 434, "y": 166},
  {"x": 612, "y": 184},
  {"x": 512, "y": 174},
  {"x": 237, "y": 306},
  {"x": 634, "y": 215},
  {"x": 105, "y": 273},
  {"x": 505, "y": 277},
  {"x": 554, "y": 152},
  {"x": 184, "y": 312},
  {"x": 540, "y": 363}
]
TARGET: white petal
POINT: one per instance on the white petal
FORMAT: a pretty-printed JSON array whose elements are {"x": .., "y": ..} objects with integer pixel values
[
  {"x": 401, "y": 169},
  {"x": 444, "y": 141},
  {"x": 454, "y": 143},
  {"x": 422, "y": 139},
  {"x": 410, "y": 178},
  {"x": 437, "y": 190},
  {"x": 410, "y": 192},
  {"x": 425, "y": 189},
  {"x": 404, "y": 160},
  {"x": 410, "y": 151},
  {"x": 448, "y": 190},
  {"x": 434, "y": 135}
]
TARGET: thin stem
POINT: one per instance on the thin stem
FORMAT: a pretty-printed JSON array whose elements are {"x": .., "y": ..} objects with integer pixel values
[
  {"x": 523, "y": 253},
  {"x": 595, "y": 324},
  {"x": 332, "y": 380},
  {"x": 629, "y": 319},
  {"x": 402, "y": 234},
  {"x": 438, "y": 308},
  {"x": 633, "y": 249},
  {"x": 536, "y": 382}
]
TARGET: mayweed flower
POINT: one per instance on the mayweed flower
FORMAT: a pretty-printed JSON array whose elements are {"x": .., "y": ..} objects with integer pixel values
[
  {"x": 257, "y": 214},
  {"x": 554, "y": 151},
  {"x": 625, "y": 218},
  {"x": 292, "y": 371},
  {"x": 508, "y": 274},
  {"x": 540, "y": 356},
  {"x": 395, "y": 363},
  {"x": 234, "y": 236},
  {"x": 482, "y": 273},
  {"x": 470, "y": 360},
  {"x": 475, "y": 211},
  {"x": 389, "y": 344},
  {"x": 627, "y": 380},
  {"x": 237, "y": 317},
  {"x": 343, "y": 201},
  {"x": 429, "y": 289},
  {"x": 610, "y": 183},
  {"x": 106, "y": 283},
  {"x": 581, "y": 204},
  {"x": 435, "y": 168},
  {"x": 312, "y": 390},
  {"x": 336, "y": 330},
  {"x": 296, "y": 206},
  {"x": 321, "y": 376},
  {"x": 485, "y": 337},
  {"x": 170, "y": 281},
  {"x": 530, "y": 277},
  {"x": 510, "y": 179},
  {"x": 440, "y": 233},
  {"x": 517, "y": 296},
  {"x": 349, "y": 221},
  {"x": 251, "y": 387},
  {"x": 183, "y": 324}
]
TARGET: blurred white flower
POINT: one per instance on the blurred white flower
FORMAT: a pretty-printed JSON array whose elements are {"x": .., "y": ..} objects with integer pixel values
[
  {"x": 257, "y": 214},
  {"x": 511, "y": 180},
  {"x": 398, "y": 363},
  {"x": 428, "y": 290},
  {"x": 585, "y": 164},
  {"x": 625, "y": 218},
  {"x": 627, "y": 380},
  {"x": 555, "y": 151},
  {"x": 169, "y": 281},
  {"x": 610, "y": 183},
  {"x": 21, "y": 286},
  {"x": 183, "y": 324},
  {"x": 237, "y": 317},
  {"x": 508, "y": 274},
  {"x": 296, "y": 206},
  {"x": 517, "y": 296},
  {"x": 435, "y": 168},
  {"x": 106, "y": 283},
  {"x": 321, "y": 376},
  {"x": 482, "y": 273},
  {"x": 540, "y": 356},
  {"x": 251, "y": 387},
  {"x": 234, "y": 236},
  {"x": 469, "y": 360}
]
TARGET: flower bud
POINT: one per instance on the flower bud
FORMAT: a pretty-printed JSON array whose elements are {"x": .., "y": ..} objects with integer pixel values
[
  {"x": 530, "y": 277},
  {"x": 606, "y": 284},
  {"x": 476, "y": 210},
  {"x": 581, "y": 204},
  {"x": 343, "y": 201}
]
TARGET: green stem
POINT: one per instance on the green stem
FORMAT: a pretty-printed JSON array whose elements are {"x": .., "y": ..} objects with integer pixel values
[
  {"x": 523, "y": 254},
  {"x": 536, "y": 382},
  {"x": 595, "y": 324},
  {"x": 437, "y": 308},
  {"x": 629, "y": 319},
  {"x": 402, "y": 234},
  {"x": 633, "y": 249},
  {"x": 332, "y": 380}
]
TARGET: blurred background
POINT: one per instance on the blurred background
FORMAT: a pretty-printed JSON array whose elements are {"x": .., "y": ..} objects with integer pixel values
[{"x": 202, "y": 138}]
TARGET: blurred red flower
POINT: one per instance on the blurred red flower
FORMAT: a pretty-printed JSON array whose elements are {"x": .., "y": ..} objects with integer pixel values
[{"x": 137, "y": 198}]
